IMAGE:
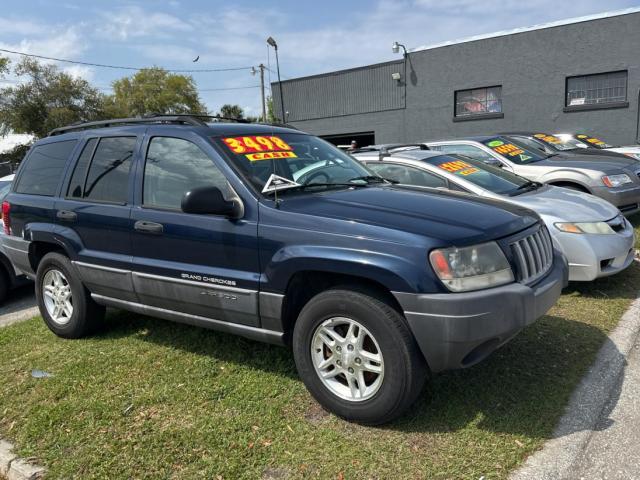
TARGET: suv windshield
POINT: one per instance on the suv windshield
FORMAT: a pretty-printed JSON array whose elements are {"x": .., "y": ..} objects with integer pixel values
[
  {"x": 293, "y": 161},
  {"x": 490, "y": 178},
  {"x": 513, "y": 150}
]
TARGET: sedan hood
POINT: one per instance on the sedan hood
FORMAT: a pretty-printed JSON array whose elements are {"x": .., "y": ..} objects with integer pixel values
[
  {"x": 449, "y": 218},
  {"x": 604, "y": 162},
  {"x": 567, "y": 205}
]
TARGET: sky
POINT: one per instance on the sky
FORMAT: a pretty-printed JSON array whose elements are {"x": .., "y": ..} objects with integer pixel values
[{"x": 313, "y": 36}]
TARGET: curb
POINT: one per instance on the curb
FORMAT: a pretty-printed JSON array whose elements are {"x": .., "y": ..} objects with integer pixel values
[
  {"x": 559, "y": 455},
  {"x": 14, "y": 468}
]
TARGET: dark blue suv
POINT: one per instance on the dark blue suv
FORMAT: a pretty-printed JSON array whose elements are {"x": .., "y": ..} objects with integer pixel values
[{"x": 273, "y": 234}]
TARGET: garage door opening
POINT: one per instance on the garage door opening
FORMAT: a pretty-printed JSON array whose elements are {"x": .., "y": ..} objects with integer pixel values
[{"x": 344, "y": 140}]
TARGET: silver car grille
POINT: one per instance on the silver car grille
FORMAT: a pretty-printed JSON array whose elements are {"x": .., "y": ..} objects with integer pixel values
[
  {"x": 617, "y": 223},
  {"x": 533, "y": 255}
]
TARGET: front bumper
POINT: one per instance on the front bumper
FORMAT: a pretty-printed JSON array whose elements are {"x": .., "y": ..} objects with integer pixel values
[
  {"x": 626, "y": 198},
  {"x": 457, "y": 330},
  {"x": 594, "y": 256}
]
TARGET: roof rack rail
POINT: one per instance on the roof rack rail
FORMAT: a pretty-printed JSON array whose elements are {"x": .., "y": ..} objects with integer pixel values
[
  {"x": 179, "y": 119},
  {"x": 385, "y": 149}
]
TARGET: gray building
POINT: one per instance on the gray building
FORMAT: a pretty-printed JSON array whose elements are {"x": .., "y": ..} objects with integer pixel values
[{"x": 581, "y": 74}]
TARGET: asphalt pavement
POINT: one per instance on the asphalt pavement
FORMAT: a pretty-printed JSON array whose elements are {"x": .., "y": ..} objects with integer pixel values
[{"x": 20, "y": 305}]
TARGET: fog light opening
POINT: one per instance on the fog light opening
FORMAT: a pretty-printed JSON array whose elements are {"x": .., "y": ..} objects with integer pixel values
[{"x": 480, "y": 352}]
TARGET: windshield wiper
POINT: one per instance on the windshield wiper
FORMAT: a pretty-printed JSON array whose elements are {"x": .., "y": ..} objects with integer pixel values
[
  {"x": 369, "y": 179},
  {"x": 529, "y": 185},
  {"x": 549, "y": 155},
  {"x": 306, "y": 186}
]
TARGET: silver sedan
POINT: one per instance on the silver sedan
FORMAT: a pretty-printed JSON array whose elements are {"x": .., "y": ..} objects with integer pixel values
[
  {"x": 594, "y": 236},
  {"x": 609, "y": 176}
]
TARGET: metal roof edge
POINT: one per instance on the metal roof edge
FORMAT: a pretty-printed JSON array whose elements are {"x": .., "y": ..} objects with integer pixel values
[{"x": 540, "y": 26}]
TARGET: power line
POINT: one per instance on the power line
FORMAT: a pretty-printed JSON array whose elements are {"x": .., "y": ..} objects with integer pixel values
[
  {"x": 228, "y": 88},
  {"x": 121, "y": 67},
  {"x": 104, "y": 88}
]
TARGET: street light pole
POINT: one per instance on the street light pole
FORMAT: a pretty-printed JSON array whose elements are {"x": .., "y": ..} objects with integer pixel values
[{"x": 273, "y": 43}]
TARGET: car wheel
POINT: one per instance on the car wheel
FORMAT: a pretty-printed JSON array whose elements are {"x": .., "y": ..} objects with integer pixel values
[
  {"x": 65, "y": 304},
  {"x": 357, "y": 356}
]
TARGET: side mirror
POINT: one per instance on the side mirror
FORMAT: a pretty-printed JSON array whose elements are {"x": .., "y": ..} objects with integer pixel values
[
  {"x": 493, "y": 162},
  {"x": 209, "y": 200}
]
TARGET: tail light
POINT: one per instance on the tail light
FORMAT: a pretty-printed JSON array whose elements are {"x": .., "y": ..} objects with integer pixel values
[{"x": 6, "y": 217}]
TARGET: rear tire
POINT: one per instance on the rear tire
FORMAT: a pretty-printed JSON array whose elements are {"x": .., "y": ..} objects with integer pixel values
[
  {"x": 372, "y": 367},
  {"x": 65, "y": 304}
]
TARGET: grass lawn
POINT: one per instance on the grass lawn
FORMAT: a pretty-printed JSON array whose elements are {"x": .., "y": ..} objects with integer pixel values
[{"x": 152, "y": 399}]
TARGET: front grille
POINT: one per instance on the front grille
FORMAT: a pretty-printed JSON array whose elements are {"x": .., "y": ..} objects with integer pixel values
[
  {"x": 628, "y": 208},
  {"x": 617, "y": 223},
  {"x": 533, "y": 255}
]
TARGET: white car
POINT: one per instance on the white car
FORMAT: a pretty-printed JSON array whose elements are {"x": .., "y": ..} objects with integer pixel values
[
  {"x": 10, "y": 277},
  {"x": 594, "y": 236},
  {"x": 582, "y": 140}
]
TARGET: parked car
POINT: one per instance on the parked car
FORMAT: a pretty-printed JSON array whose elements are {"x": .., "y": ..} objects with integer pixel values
[
  {"x": 615, "y": 179},
  {"x": 594, "y": 236},
  {"x": 582, "y": 140},
  {"x": 551, "y": 144},
  {"x": 373, "y": 286},
  {"x": 10, "y": 277}
]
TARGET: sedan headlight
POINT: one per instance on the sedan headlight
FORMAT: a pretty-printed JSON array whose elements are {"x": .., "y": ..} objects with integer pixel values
[
  {"x": 471, "y": 268},
  {"x": 585, "y": 227},
  {"x": 635, "y": 156},
  {"x": 613, "y": 181}
]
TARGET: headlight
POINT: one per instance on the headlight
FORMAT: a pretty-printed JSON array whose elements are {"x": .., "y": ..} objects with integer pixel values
[
  {"x": 471, "y": 268},
  {"x": 585, "y": 227},
  {"x": 613, "y": 181},
  {"x": 633, "y": 155}
]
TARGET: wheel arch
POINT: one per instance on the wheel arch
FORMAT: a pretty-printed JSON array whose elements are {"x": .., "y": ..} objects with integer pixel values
[{"x": 304, "y": 285}]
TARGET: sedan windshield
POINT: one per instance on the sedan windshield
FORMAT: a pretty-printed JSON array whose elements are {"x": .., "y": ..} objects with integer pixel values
[
  {"x": 490, "y": 178},
  {"x": 513, "y": 150},
  {"x": 557, "y": 143},
  {"x": 294, "y": 161},
  {"x": 592, "y": 141}
]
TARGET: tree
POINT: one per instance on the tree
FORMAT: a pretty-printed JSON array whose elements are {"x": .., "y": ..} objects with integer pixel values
[
  {"x": 271, "y": 116},
  {"x": 49, "y": 98},
  {"x": 4, "y": 66},
  {"x": 154, "y": 90},
  {"x": 231, "y": 111}
]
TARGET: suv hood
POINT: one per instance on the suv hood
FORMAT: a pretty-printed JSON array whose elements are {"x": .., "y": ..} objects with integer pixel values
[
  {"x": 566, "y": 205},
  {"x": 450, "y": 218}
]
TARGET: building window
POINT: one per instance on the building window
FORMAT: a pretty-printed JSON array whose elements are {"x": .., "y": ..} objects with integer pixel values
[
  {"x": 478, "y": 101},
  {"x": 598, "y": 89}
]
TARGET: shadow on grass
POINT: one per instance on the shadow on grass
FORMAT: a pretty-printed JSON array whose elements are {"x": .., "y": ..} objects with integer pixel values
[
  {"x": 200, "y": 341},
  {"x": 521, "y": 389}
]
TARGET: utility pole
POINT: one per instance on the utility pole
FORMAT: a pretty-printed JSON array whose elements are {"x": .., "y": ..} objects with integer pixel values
[
  {"x": 264, "y": 107},
  {"x": 273, "y": 43}
]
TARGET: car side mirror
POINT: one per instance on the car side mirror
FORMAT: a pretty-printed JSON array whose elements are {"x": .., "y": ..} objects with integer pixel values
[{"x": 209, "y": 200}]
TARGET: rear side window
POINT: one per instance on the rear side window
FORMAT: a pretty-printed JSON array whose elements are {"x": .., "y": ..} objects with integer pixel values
[
  {"x": 468, "y": 150},
  {"x": 175, "y": 166},
  {"x": 107, "y": 178},
  {"x": 41, "y": 174},
  {"x": 407, "y": 175}
]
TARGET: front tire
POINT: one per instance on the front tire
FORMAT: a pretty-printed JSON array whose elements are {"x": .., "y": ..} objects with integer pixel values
[
  {"x": 65, "y": 304},
  {"x": 357, "y": 356}
]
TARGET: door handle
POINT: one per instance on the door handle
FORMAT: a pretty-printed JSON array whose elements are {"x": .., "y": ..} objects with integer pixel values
[
  {"x": 66, "y": 215},
  {"x": 143, "y": 226}
]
